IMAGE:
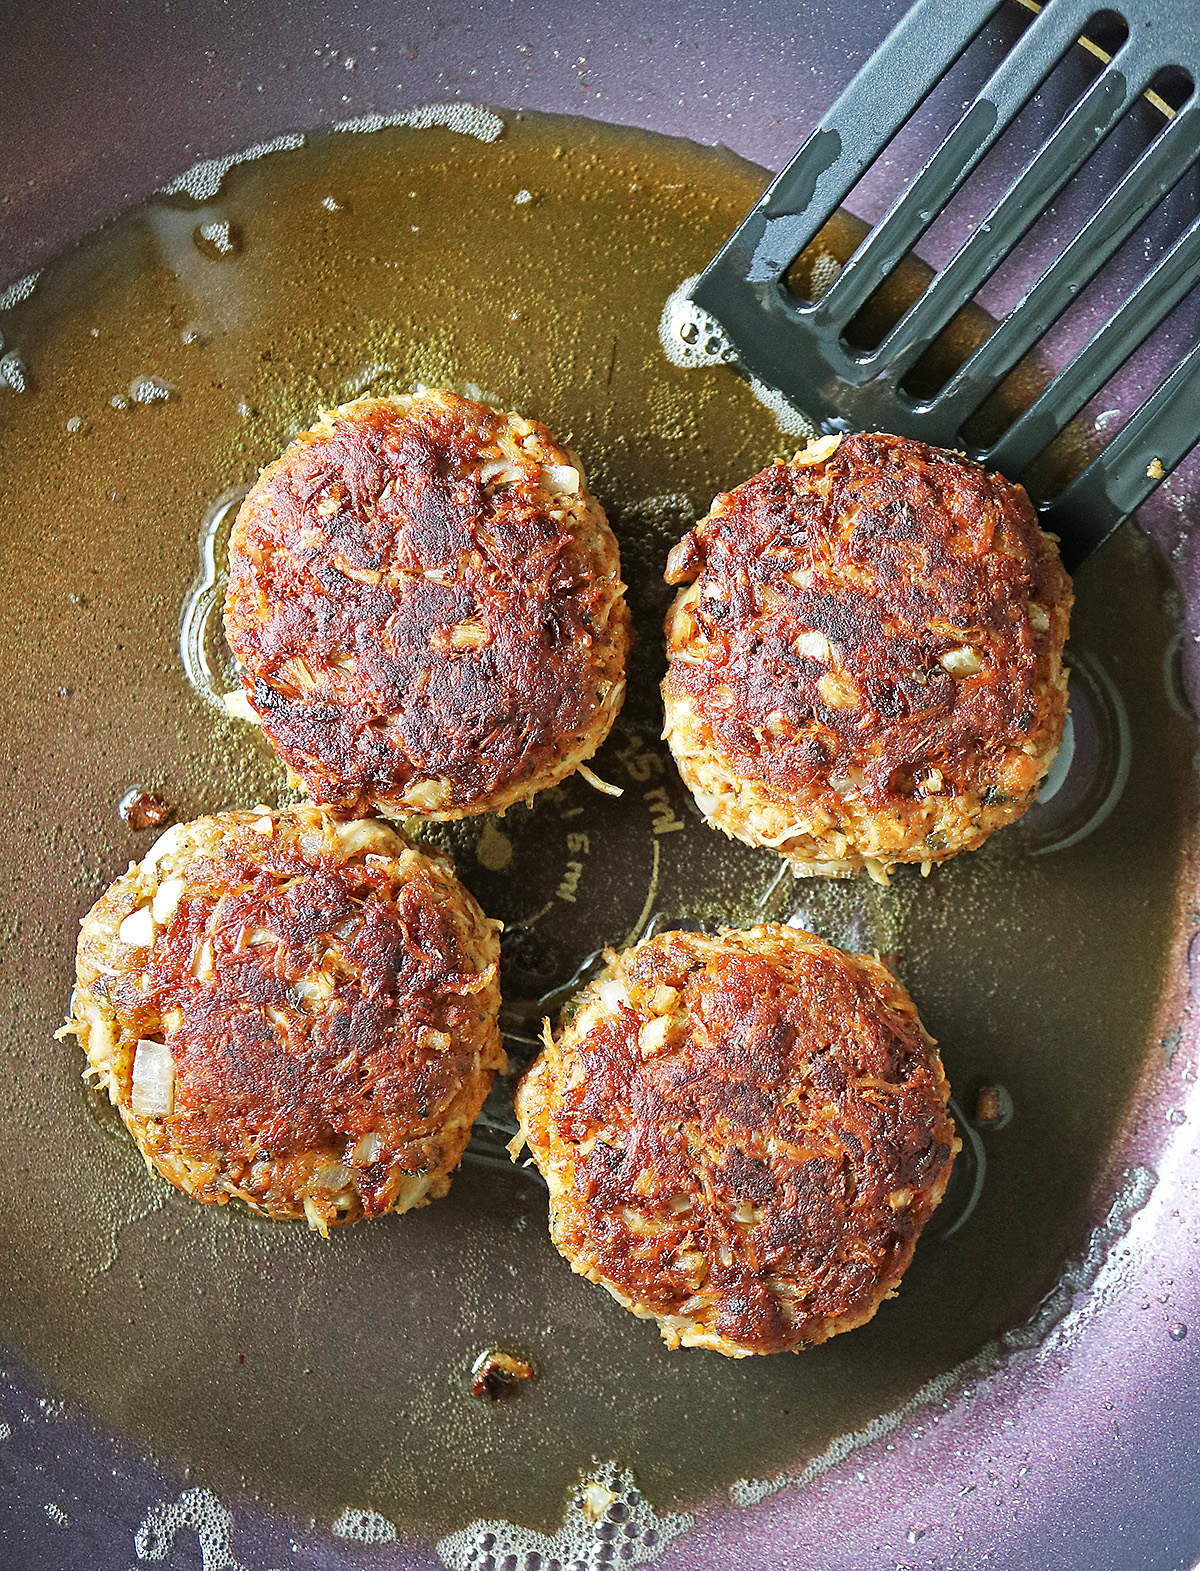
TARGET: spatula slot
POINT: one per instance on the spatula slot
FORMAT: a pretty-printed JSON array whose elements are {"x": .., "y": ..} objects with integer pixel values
[
  {"x": 1006, "y": 290},
  {"x": 863, "y": 336},
  {"x": 904, "y": 155},
  {"x": 1059, "y": 133}
]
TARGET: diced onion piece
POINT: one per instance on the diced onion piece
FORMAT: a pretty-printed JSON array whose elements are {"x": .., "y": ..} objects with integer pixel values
[
  {"x": 411, "y": 1188},
  {"x": 166, "y": 843},
  {"x": 817, "y": 451},
  {"x": 166, "y": 900},
  {"x": 962, "y": 662},
  {"x": 612, "y": 993},
  {"x": 99, "y": 1042},
  {"x": 427, "y": 796},
  {"x": 652, "y": 1038},
  {"x": 837, "y": 691},
  {"x": 597, "y": 784},
  {"x": 848, "y": 783},
  {"x": 153, "y": 1080},
  {"x": 683, "y": 560},
  {"x": 561, "y": 479},
  {"x": 813, "y": 645},
  {"x": 371, "y": 576},
  {"x": 1039, "y": 617},
  {"x": 470, "y": 634},
  {"x": 240, "y": 708},
  {"x": 138, "y": 928},
  {"x": 333, "y": 1176},
  {"x": 361, "y": 835},
  {"x": 368, "y": 1148},
  {"x": 597, "y": 1498},
  {"x": 500, "y": 471},
  {"x": 312, "y": 993},
  {"x": 516, "y": 1145}
]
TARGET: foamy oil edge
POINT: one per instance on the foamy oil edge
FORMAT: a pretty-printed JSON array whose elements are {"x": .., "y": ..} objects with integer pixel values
[
  {"x": 1087, "y": 1274},
  {"x": 712, "y": 346},
  {"x": 204, "y": 179}
]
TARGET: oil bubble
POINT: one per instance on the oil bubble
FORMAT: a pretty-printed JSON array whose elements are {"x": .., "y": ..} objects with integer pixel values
[
  {"x": 217, "y": 239},
  {"x": 14, "y": 374},
  {"x": 586, "y": 1537},
  {"x": 202, "y": 181},
  {"x": 360, "y": 1525},
  {"x": 149, "y": 390},
  {"x": 1178, "y": 1331},
  {"x": 19, "y": 291},
  {"x": 690, "y": 338},
  {"x": 464, "y": 119}
]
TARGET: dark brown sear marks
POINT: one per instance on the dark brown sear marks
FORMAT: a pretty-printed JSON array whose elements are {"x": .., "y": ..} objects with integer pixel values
[
  {"x": 261, "y": 1076},
  {"x": 356, "y": 563},
  {"x": 898, "y": 554},
  {"x": 798, "y": 1097}
]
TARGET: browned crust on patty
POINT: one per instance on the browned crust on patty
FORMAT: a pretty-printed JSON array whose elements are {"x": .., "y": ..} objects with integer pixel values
[
  {"x": 424, "y": 623},
  {"x": 328, "y": 996},
  {"x": 743, "y": 1136},
  {"x": 872, "y": 643}
]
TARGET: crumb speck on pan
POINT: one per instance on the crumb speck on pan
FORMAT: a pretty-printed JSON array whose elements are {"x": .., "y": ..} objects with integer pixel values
[
  {"x": 293, "y": 1009},
  {"x": 143, "y": 809},
  {"x": 743, "y": 1136},
  {"x": 865, "y": 656},
  {"x": 993, "y": 1107},
  {"x": 427, "y": 607},
  {"x": 495, "y": 1373}
]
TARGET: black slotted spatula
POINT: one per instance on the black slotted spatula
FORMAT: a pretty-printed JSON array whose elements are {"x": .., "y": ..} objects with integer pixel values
[{"x": 801, "y": 348}]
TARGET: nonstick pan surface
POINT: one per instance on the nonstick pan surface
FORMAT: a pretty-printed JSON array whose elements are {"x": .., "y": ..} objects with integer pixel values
[{"x": 193, "y": 1387}]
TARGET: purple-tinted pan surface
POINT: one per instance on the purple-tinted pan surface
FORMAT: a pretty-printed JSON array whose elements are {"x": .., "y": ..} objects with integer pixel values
[{"x": 1075, "y": 1450}]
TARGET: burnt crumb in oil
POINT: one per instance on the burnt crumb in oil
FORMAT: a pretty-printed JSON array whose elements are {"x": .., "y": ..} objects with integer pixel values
[
  {"x": 993, "y": 1107},
  {"x": 496, "y": 1375},
  {"x": 141, "y": 808}
]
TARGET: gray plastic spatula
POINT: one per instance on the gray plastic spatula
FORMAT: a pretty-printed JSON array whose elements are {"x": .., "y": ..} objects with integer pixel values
[{"x": 801, "y": 348}]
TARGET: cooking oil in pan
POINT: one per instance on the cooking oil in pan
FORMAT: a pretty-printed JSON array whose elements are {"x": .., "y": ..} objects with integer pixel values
[{"x": 166, "y": 360}]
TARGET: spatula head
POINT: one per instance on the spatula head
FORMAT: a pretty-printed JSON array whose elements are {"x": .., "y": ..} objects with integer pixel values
[{"x": 801, "y": 347}]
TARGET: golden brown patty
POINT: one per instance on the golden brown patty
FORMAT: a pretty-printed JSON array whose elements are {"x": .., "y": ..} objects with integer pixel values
[
  {"x": 743, "y": 1136},
  {"x": 293, "y": 1009},
  {"x": 427, "y": 607},
  {"x": 866, "y": 665}
]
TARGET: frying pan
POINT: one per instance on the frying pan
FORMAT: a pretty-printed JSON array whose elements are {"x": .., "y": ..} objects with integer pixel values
[{"x": 1074, "y": 1443}]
